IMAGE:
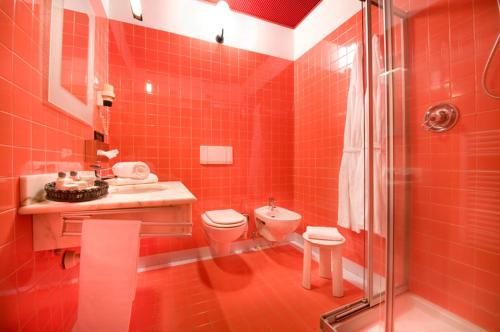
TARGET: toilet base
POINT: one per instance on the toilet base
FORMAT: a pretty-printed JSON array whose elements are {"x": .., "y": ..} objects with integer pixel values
[
  {"x": 220, "y": 249},
  {"x": 220, "y": 238}
]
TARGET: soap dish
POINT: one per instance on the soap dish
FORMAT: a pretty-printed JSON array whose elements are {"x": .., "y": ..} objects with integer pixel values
[{"x": 73, "y": 196}]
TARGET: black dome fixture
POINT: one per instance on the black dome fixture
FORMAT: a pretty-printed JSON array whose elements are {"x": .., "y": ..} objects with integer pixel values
[
  {"x": 222, "y": 12},
  {"x": 220, "y": 38}
]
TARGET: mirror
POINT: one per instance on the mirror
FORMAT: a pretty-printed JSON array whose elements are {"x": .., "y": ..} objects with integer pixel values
[
  {"x": 71, "y": 59},
  {"x": 75, "y": 51}
]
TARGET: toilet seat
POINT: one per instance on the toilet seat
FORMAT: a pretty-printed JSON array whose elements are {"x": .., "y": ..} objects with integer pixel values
[
  {"x": 223, "y": 218},
  {"x": 222, "y": 228}
]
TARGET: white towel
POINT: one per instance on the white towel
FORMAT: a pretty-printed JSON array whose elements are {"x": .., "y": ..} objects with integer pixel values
[
  {"x": 379, "y": 141},
  {"x": 108, "y": 275},
  {"x": 134, "y": 170},
  {"x": 324, "y": 233},
  {"x": 152, "y": 178},
  {"x": 352, "y": 167},
  {"x": 352, "y": 187}
]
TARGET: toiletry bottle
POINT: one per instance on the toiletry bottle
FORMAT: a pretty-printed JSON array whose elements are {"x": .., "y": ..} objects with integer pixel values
[
  {"x": 61, "y": 180},
  {"x": 74, "y": 176}
]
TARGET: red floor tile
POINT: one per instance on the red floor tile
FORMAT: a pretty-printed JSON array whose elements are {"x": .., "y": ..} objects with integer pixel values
[{"x": 257, "y": 291}]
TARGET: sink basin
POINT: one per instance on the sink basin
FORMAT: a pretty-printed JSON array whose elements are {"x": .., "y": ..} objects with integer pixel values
[
  {"x": 277, "y": 214},
  {"x": 138, "y": 188},
  {"x": 275, "y": 224}
]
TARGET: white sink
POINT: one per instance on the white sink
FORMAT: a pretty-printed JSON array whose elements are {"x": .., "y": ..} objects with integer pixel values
[
  {"x": 164, "y": 209},
  {"x": 138, "y": 188},
  {"x": 276, "y": 223},
  {"x": 119, "y": 197}
]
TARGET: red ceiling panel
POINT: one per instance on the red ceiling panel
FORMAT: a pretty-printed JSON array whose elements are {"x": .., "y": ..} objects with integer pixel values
[{"x": 288, "y": 13}]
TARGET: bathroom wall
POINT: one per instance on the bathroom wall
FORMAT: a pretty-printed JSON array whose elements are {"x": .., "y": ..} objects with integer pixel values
[
  {"x": 455, "y": 253},
  {"x": 454, "y": 238},
  {"x": 35, "y": 293},
  {"x": 321, "y": 87},
  {"x": 202, "y": 94},
  {"x": 320, "y": 100}
]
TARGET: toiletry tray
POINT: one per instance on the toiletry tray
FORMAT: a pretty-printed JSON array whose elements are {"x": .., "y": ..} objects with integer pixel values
[{"x": 72, "y": 196}]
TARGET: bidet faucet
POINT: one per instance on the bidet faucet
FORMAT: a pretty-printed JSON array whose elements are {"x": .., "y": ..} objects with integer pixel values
[{"x": 272, "y": 203}]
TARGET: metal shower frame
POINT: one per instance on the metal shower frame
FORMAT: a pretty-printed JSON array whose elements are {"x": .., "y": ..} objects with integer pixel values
[{"x": 371, "y": 299}]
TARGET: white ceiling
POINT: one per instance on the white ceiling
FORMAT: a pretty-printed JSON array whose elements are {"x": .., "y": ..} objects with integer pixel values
[{"x": 195, "y": 19}]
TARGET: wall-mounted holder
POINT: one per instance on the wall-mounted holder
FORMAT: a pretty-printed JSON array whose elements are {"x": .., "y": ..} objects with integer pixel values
[
  {"x": 106, "y": 96},
  {"x": 440, "y": 118},
  {"x": 91, "y": 147}
]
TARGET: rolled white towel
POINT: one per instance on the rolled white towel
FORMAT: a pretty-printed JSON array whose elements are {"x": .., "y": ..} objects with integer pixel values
[
  {"x": 133, "y": 170},
  {"x": 324, "y": 233},
  {"x": 152, "y": 178}
]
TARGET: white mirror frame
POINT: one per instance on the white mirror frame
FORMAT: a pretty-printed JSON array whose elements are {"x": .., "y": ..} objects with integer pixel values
[{"x": 57, "y": 94}]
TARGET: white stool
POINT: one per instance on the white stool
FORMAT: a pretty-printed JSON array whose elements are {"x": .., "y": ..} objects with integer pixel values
[{"x": 330, "y": 263}]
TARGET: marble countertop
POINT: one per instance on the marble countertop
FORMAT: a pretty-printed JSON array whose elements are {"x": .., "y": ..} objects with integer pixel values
[{"x": 119, "y": 197}]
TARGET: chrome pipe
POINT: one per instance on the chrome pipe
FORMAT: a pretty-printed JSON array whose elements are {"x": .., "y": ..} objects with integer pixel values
[
  {"x": 405, "y": 87},
  {"x": 389, "y": 66},
  {"x": 369, "y": 156}
]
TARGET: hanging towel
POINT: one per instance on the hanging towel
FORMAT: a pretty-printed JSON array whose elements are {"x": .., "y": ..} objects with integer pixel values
[
  {"x": 352, "y": 172},
  {"x": 324, "y": 233},
  {"x": 134, "y": 170},
  {"x": 352, "y": 188},
  {"x": 152, "y": 178},
  {"x": 108, "y": 275}
]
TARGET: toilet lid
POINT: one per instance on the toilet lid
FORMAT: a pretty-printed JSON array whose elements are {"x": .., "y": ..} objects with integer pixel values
[{"x": 225, "y": 217}]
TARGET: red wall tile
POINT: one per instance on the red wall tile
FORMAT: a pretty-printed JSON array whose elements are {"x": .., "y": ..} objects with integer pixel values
[
  {"x": 454, "y": 235},
  {"x": 33, "y": 134},
  {"x": 203, "y": 94},
  {"x": 320, "y": 99},
  {"x": 216, "y": 95}
]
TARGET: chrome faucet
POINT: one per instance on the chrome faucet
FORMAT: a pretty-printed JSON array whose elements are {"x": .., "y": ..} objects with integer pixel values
[
  {"x": 98, "y": 170},
  {"x": 272, "y": 203}
]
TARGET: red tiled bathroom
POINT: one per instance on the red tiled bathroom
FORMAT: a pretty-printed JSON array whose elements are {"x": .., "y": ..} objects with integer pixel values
[{"x": 249, "y": 165}]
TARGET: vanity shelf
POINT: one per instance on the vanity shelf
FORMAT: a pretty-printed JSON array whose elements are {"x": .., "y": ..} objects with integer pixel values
[{"x": 164, "y": 210}]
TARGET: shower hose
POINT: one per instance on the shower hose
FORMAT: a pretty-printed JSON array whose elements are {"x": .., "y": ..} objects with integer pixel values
[{"x": 488, "y": 63}]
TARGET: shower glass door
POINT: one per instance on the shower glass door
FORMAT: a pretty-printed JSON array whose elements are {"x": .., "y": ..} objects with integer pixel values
[
  {"x": 443, "y": 129},
  {"x": 385, "y": 144},
  {"x": 388, "y": 248},
  {"x": 391, "y": 181},
  {"x": 433, "y": 119}
]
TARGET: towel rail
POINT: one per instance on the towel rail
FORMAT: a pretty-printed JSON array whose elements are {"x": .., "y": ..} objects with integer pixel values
[
  {"x": 140, "y": 234},
  {"x": 70, "y": 227}
]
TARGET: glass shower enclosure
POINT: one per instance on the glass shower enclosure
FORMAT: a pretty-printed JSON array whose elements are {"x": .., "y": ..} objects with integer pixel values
[{"x": 432, "y": 168}]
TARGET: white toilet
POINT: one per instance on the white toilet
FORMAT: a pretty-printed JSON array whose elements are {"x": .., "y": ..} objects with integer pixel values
[{"x": 222, "y": 227}]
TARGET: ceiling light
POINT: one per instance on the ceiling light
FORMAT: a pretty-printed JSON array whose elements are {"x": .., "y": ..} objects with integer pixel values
[
  {"x": 136, "y": 9},
  {"x": 149, "y": 87}
]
